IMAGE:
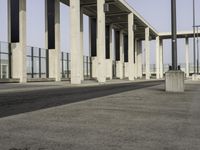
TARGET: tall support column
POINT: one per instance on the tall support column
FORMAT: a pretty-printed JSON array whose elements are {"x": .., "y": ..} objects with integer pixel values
[
  {"x": 161, "y": 59},
  {"x": 187, "y": 70},
  {"x": 121, "y": 65},
  {"x": 93, "y": 46},
  {"x": 136, "y": 59},
  {"x": 147, "y": 48},
  {"x": 109, "y": 52},
  {"x": 101, "y": 76},
  {"x": 120, "y": 60},
  {"x": 131, "y": 46},
  {"x": 81, "y": 44},
  {"x": 139, "y": 59},
  {"x": 76, "y": 75},
  {"x": 157, "y": 57},
  {"x": 52, "y": 36},
  {"x": 17, "y": 38}
]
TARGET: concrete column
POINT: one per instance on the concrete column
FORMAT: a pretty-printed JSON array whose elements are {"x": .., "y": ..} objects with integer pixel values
[
  {"x": 19, "y": 48},
  {"x": 54, "y": 54},
  {"x": 76, "y": 73},
  {"x": 161, "y": 59},
  {"x": 187, "y": 70},
  {"x": 109, "y": 66},
  {"x": 131, "y": 46},
  {"x": 101, "y": 76},
  {"x": 81, "y": 44},
  {"x": 147, "y": 49},
  {"x": 136, "y": 59},
  {"x": 157, "y": 57},
  {"x": 139, "y": 56},
  {"x": 93, "y": 46},
  {"x": 120, "y": 62}
]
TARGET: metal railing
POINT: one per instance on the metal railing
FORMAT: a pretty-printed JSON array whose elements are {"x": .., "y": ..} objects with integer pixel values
[
  {"x": 65, "y": 65},
  {"x": 87, "y": 67},
  {"x": 37, "y": 63},
  {"x": 5, "y": 60}
]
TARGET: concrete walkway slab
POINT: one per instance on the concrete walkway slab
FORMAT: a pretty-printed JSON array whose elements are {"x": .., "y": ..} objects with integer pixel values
[{"x": 141, "y": 119}]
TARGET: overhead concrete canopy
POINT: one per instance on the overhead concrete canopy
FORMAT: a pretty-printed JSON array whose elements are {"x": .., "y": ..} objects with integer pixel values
[
  {"x": 185, "y": 34},
  {"x": 118, "y": 16}
]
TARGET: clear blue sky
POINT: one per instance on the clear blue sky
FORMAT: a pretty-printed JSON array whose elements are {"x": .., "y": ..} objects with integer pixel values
[{"x": 156, "y": 12}]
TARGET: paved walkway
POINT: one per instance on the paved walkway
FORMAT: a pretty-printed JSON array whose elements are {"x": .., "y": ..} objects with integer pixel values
[{"x": 135, "y": 119}]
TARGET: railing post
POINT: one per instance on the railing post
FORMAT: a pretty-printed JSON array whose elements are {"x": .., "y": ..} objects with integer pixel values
[
  {"x": 62, "y": 62},
  {"x": 68, "y": 65},
  {"x": 32, "y": 63},
  {"x": 47, "y": 63},
  {"x": 40, "y": 63}
]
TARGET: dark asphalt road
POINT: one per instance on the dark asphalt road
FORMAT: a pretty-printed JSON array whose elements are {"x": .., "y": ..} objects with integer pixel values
[{"x": 21, "y": 102}]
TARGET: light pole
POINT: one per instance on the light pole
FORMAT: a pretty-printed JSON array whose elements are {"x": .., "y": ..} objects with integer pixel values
[
  {"x": 174, "y": 79},
  {"x": 194, "y": 37},
  {"x": 174, "y": 35}
]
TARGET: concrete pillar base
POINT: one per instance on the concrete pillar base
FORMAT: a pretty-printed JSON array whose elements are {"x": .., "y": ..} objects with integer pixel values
[
  {"x": 196, "y": 77},
  {"x": 174, "y": 81},
  {"x": 109, "y": 69}
]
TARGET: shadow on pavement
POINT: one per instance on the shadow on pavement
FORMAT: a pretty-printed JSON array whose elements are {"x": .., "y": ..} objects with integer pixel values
[{"x": 22, "y": 102}]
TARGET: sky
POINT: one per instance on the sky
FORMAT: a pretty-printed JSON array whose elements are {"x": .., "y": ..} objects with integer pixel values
[{"x": 156, "y": 12}]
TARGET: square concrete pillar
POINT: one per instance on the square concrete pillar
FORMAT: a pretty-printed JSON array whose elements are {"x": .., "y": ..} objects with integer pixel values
[
  {"x": 136, "y": 59},
  {"x": 54, "y": 50},
  {"x": 81, "y": 44},
  {"x": 18, "y": 47},
  {"x": 93, "y": 46},
  {"x": 109, "y": 61},
  {"x": 157, "y": 57},
  {"x": 161, "y": 59},
  {"x": 174, "y": 81},
  {"x": 187, "y": 70},
  {"x": 139, "y": 59},
  {"x": 101, "y": 31},
  {"x": 120, "y": 64},
  {"x": 131, "y": 70},
  {"x": 110, "y": 70},
  {"x": 147, "y": 49},
  {"x": 76, "y": 49}
]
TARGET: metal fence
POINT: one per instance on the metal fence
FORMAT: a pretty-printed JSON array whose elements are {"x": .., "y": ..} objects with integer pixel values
[
  {"x": 5, "y": 60},
  {"x": 65, "y": 65},
  {"x": 37, "y": 63},
  {"x": 87, "y": 67},
  {"x": 166, "y": 68}
]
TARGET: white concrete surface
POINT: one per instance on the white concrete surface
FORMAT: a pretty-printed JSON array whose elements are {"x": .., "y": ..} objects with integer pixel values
[
  {"x": 101, "y": 46},
  {"x": 131, "y": 46},
  {"x": 76, "y": 75},
  {"x": 55, "y": 54},
  {"x": 174, "y": 81},
  {"x": 161, "y": 60},
  {"x": 109, "y": 62},
  {"x": 187, "y": 70},
  {"x": 157, "y": 57},
  {"x": 19, "y": 49},
  {"x": 147, "y": 50},
  {"x": 81, "y": 43},
  {"x": 195, "y": 77},
  {"x": 139, "y": 59}
]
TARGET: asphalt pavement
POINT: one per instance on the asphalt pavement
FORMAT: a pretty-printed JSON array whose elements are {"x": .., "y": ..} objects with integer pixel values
[{"x": 126, "y": 116}]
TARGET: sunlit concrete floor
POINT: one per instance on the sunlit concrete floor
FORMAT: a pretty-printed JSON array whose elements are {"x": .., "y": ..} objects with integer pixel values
[{"x": 140, "y": 118}]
